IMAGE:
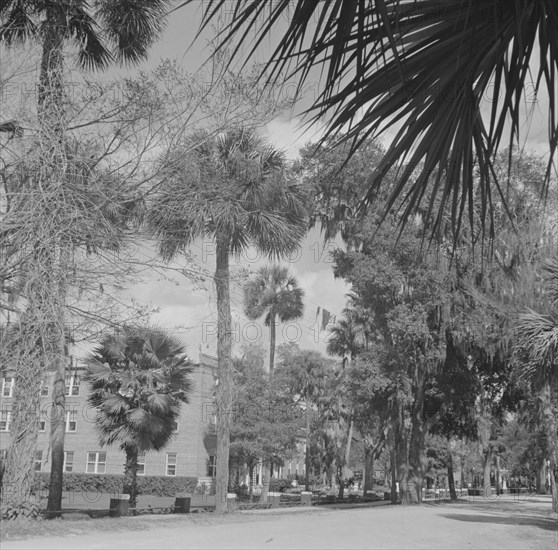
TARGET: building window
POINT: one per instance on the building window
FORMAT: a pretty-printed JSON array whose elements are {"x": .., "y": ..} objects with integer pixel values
[
  {"x": 5, "y": 420},
  {"x": 71, "y": 421},
  {"x": 96, "y": 463},
  {"x": 44, "y": 389},
  {"x": 42, "y": 424},
  {"x": 175, "y": 426},
  {"x": 72, "y": 385},
  {"x": 7, "y": 387},
  {"x": 38, "y": 461},
  {"x": 171, "y": 464},
  {"x": 141, "y": 463},
  {"x": 212, "y": 466},
  {"x": 69, "y": 461},
  {"x": 3, "y": 454}
]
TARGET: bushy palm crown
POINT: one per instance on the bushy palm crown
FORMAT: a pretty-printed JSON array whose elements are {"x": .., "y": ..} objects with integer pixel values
[
  {"x": 346, "y": 338},
  {"x": 102, "y": 30},
  {"x": 230, "y": 187},
  {"x": 273, "y": 292},
  {"x": 139, "y": 378},
  {"x": 538, "y": 334},
  {"x": 421, "y": 66}
]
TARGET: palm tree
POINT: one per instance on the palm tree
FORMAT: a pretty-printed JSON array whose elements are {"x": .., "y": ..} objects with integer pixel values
[
  {"x": 102, "y": 32},
  {"x": 537, "y": 349},
  {"x": 231, "y": 189},
  {"x": 140, "y": 376},
  {"x": 423, "y": 68},
  {"x": 276, "y": 294},
  {"x": 346, "y": 337}
]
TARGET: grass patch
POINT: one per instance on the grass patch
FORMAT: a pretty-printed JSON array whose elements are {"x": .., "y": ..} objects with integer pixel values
[{"x": 22, "y": 528}]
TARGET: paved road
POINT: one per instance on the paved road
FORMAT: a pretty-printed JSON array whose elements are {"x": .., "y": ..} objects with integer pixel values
[{"x": 471, "y": 525}]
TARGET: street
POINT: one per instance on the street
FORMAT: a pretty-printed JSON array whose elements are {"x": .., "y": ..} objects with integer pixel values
[{"x": 477, "y": 524}]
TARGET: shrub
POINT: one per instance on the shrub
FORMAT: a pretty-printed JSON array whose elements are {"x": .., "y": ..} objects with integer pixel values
[
  {"x": 25, "y": 510},
  {"x": 279, "y": 485},
  {"x": 94, "y": 483}
]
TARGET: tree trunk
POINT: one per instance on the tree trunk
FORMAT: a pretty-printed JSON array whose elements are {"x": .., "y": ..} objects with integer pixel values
[
  {"x": 17, "y": 479},
  {"x": 38, "y": 341},
  {"x": 57, "y": 433},
  {"x": 393, "y": 467},
  {"x": 266, "y": 480},
  {"x": 368, "y": 480},
  {"x": 487, "y": 467},
  {"x": 130, "y": 483},
  {"x": 541, "y": 477},
  {"x": 349, "y": 440},
  {"x": 553, "y": 487},
  {"x": 251, "y": 482},
  {"x": 307, "y": 458},
  {"x": 224, "y": 390},
  {"x": 52, "y": 121},
  {"x": 498, "y": 487},
  {"x": 451, "y": 481},
  {"x": 401, "y": 453},
  {"x": 271, "y": 344},
  {"x": 340, "y": 481},
  {"x": 549, "y": 398},
  {"x": 417, "y": 458}
]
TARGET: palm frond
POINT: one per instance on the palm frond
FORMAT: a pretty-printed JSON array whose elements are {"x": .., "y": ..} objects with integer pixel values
[
  {"x": 424, "y": 65},
  {"x": 132, "y": 26},
  {"x": 17, "y": 23}
]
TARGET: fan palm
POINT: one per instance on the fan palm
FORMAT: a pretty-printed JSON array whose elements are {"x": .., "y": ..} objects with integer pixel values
[
  {"x": 422, "y": 68},
  {"x": 231, "y": 189},
  {"x": 102, "y": 31},
  {"x": 537, "y": 347},
  {"x": 139, "y": 378},
  {"x": 346, "y": 338},
  {"x": 538, "y": 334},
  {"x": 276, "y": 294}
]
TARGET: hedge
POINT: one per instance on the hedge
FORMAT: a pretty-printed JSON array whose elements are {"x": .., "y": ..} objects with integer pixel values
[{"x": 147, "y": 485}]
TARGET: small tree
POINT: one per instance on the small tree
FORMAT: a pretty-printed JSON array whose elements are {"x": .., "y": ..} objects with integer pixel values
[
  {"x": 276, "y": 294},
  {"x": 139, "y": 377}
]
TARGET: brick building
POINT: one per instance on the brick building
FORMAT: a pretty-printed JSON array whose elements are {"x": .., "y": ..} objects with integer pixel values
[{"x": 190, "y": 453}]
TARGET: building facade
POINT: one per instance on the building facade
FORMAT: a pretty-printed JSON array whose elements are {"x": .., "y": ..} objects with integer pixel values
[{"x": 191, "y": 452}]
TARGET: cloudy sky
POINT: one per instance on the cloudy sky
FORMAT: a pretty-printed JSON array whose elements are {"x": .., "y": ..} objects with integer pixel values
[{"x": 191, "y": 312}]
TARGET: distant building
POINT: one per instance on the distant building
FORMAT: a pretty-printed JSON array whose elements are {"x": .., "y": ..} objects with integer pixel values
[{"x": 191, "y": 452}]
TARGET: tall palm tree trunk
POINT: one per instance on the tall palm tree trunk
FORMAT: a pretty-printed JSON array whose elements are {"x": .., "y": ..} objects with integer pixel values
[
  {"x": 130, "y": 483},
  {"x": 57, "y": 432},
  {"x": 52, "y": 121},
  {"x": 307, "y": 458},
  {"x": 224, "y": 391},
  {"x": 267, "y": 470},
  {"x": 58, "y": 418},
  {"x": 272, "y": 328}
]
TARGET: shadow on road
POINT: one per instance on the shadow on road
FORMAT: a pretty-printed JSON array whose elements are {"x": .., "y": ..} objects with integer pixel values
[{"x": 548, "y": 524}]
